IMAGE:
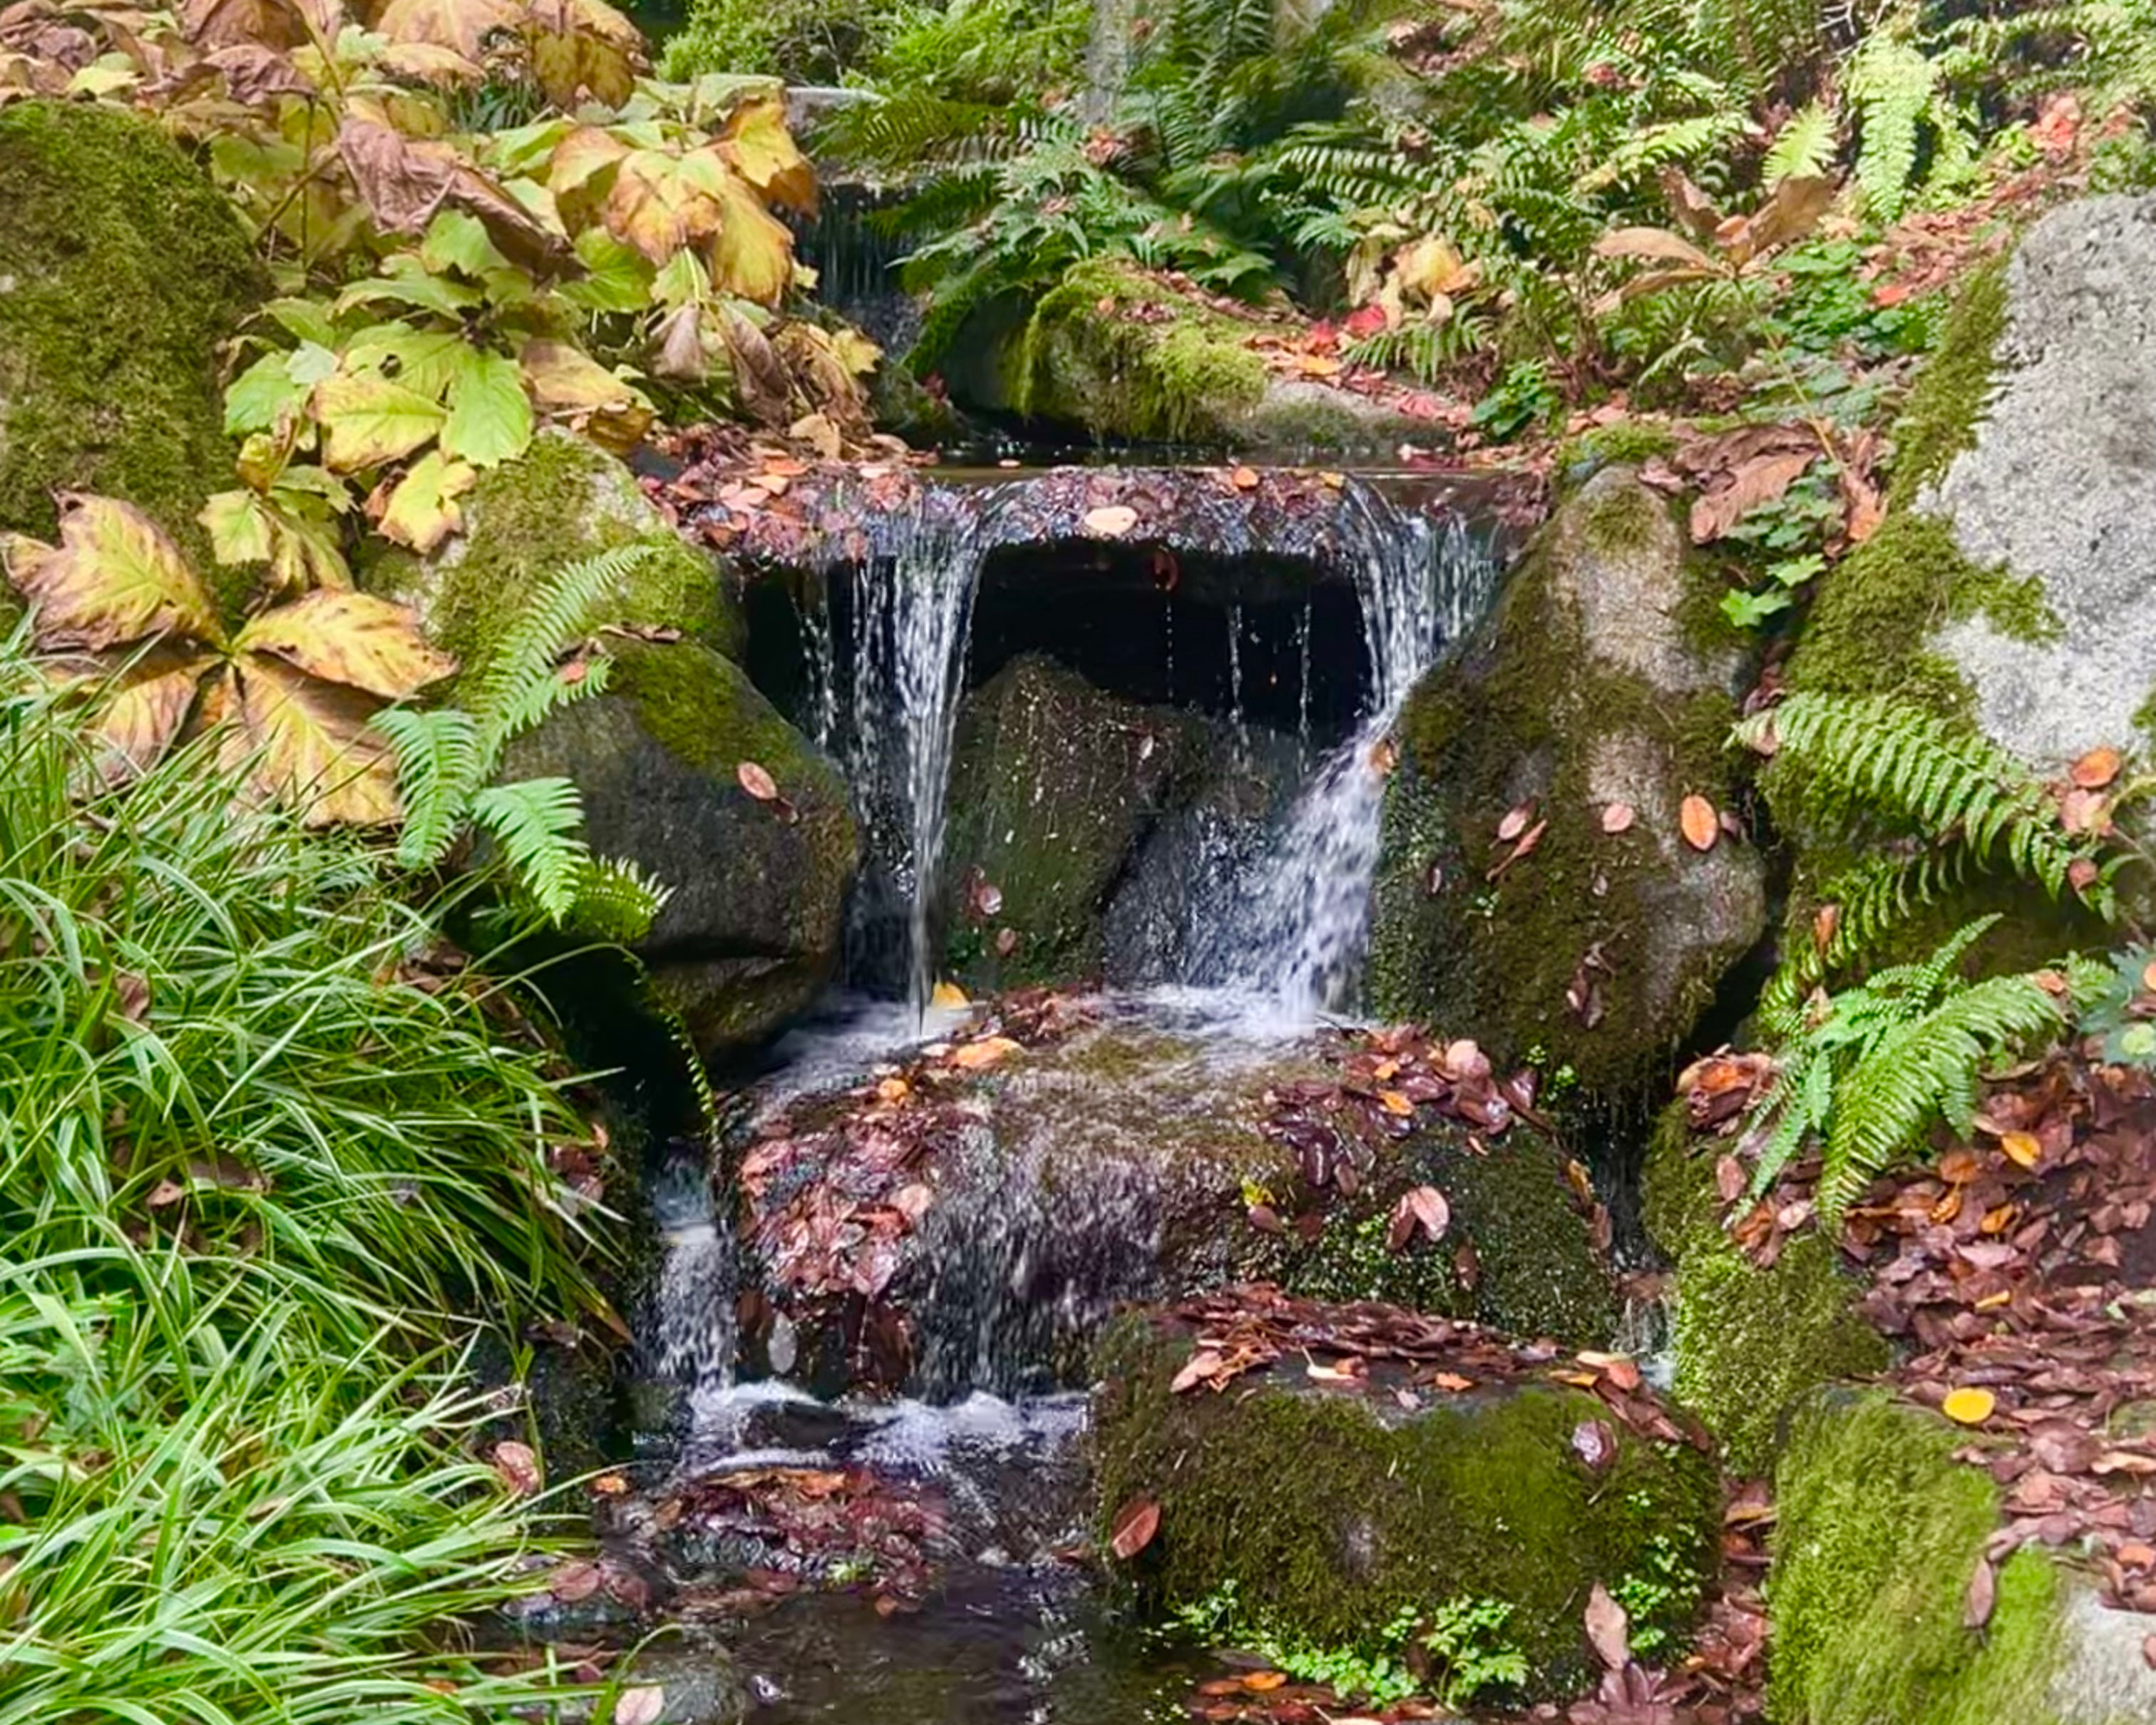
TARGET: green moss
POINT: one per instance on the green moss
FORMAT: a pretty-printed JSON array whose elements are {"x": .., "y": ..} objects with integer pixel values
[
  {"x": 121, "y": 273},
  {"x": 1519, "y": 719},
  {"x": 1604, "y": 445},
  {"x": 563, "y": 500},
  {"x": 1184, "y": 376},
  {"x": 1878, "y": 1533},
  {"x": 1482, "y": 1497},
  {"x": 1951, "y": 398},
  {"x": 1749, "y": 1343},
  {"x": 703, "y": 709}
]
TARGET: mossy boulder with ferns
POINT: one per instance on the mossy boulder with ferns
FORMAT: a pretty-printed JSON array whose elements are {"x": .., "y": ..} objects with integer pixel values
[
  {"x": 1537, "y": 888},
  {"x": 1879, "y": 1531},
  {"x": 122, "y": 272},
  {"x": 755, "y": 886}
]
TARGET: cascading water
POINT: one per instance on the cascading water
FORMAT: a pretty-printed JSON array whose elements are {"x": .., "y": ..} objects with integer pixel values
[{"x": 1292, "y": 928}]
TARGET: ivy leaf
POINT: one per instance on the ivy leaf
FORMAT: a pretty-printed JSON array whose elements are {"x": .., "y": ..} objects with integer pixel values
[
  {"x": 357, "y": 640},
  {"x": 114, "y": 578},
  {"x": 422, "y": 510},
  {"x": 755, "y": 142},
  {"x": 306, "y": 744},
  {"x": 368, "y": 420},
  {"x": 489, "y": 415}
]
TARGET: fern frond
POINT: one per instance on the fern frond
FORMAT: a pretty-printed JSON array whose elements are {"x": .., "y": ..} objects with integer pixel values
[
  {"x": 1923, "y": 1072},
  {"x": 1806, "y": 146},
  {"x": 516, "y": 686},
  {"x": 438, "y": 766},
  {"x": 615, "y": 901},
  {"x": 535, "y": 821}
]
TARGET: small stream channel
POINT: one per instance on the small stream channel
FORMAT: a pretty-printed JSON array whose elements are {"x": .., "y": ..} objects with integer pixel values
[{"x": 939, "y": 1577}]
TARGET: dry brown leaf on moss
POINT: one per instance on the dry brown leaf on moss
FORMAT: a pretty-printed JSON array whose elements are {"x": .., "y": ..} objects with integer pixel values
[{"x": 115, "y": 577}]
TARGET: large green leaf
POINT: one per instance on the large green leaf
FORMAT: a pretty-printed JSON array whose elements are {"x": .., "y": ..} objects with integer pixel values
[
  {"x": 368, "y": 421},
  {"x": 489, "y": 415},
  {"x": 422, "y": 510}
]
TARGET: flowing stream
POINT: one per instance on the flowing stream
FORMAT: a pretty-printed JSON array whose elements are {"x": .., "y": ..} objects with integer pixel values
[{"x": 1075, "y": 1198}]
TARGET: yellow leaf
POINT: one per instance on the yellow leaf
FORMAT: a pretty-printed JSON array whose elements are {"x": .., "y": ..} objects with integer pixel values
[
  {"x": 582, "y": 157},
  {"x": 755, "y": 140},
  {"x": 2026, "y": 1148},
  {"x": 354, "y": 638},
  {"x": 948, "y": 994},
  {"x": 369, "y": 420},
  {"x": 1394, "y": 1102},
  {"x": 306, "y": 745},
  {"x": 753, "y": 253},
  {"x": 583, "y": 48},
  {"x": 1969, "y": 1407},
  {"x": 978, "y": 1056},
  {"x": 462, "y": 26},
  {"x": 422, "y": 510},
  {"x": 114, "y": 578},
  {"x": 564, "y": 380},
  {"x": 145, "y": 716}
]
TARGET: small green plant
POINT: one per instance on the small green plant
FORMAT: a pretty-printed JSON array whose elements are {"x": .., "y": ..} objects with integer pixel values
[
  {"x": 447, "y": 757},
  {"x": 2123, "y": 1011},
  {"x": 1471, "y": 1657},
  {"x": 1664, "y": 1592},
  {"x": 1867, "y": 1072},
  {"x": 1523, "y": 399}
]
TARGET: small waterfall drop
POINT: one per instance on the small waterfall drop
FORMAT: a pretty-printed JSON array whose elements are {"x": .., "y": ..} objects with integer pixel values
[{"x": 1293, "y": 928}]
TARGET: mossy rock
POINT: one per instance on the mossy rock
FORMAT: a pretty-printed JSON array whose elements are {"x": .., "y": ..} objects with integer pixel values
[
  {"x": 1330, "y": 1512},
  {"x": 1878, "y": 1531},
  {"x": 1749, "y": 1343},
  {"x": 563, "y": 500},
  {"x": 1605, "y": 675},
  {"x": 122, "y": 273},
  {"x": 752, "y": 932},
  {"x": 1121, "y": 355},
  {"x": 1054, "y": 785},
  {"x": 1518, "y": 1256}
]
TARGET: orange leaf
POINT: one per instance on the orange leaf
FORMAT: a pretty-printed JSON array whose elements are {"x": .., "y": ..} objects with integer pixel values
[
  {"x": 1699, "y": 823},
  {"x": 1135, "y": 1523},
  {"x": 2023, "y": 1147},
  {"x": 2097, "y": 768},
  {"x": 1243, "y": 479},
  {"x": 1969, "y": 1407},
  {"x": 757, "y": 782}
]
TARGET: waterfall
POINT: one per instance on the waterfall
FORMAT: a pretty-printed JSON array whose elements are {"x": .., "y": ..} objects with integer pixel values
[
  {"x": 913, "y": 607},
  {"x": 1293, "y": 927}
]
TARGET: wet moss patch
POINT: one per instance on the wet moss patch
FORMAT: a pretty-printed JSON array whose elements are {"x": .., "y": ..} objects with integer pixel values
[{"x": 1483, "y": 1497}]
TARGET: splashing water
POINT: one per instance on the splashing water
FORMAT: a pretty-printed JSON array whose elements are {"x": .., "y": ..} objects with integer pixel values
[{"x": 1293, "y": 928}]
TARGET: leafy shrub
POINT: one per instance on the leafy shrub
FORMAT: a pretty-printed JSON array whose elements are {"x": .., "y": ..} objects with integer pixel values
[{"x": 802, "y": 41}]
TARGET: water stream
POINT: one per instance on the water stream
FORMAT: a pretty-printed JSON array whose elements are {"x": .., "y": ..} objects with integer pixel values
[{"x": 1079, "y": 1196}]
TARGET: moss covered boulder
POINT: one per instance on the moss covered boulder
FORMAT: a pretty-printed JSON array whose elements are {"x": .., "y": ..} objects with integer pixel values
[
  {"x": 122, "y": 272},
  {"x": 1121, "y": 355},
  {"x": 1879, "y": 1531},
  {"x": 1749, "y": 1343},
  {"x": 563, "y": 500},
  {"x": 1311, "y": 1512},
  {"x": 1054, "y": 785},
  {"x": 752, "y": 932},
  {"x": 1598, "y": 695}
]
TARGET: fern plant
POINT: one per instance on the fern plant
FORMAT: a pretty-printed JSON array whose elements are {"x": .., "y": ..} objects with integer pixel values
[
  {"x": 1898, "y": 95},
  {"x": 1952, "y": 802},
  {"x": 1874, "y": 1067},
  {"x": 447, "y": 756}
]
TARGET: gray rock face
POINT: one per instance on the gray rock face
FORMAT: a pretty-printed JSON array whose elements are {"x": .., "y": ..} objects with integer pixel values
[{"x": 2062, "y": 485}]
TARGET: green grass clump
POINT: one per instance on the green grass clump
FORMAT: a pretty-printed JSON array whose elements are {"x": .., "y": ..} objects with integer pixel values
[{"x": 256, "y": 1143}]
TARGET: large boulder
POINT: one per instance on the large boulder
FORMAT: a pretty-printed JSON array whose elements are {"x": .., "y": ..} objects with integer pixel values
[
  {"x": 2021, "y": 579},
  {"x": 1364, "y": 1477},
  {"x": 1604, "y": 680},
  {"x": 1054, "y": 783},
  {"x": 1879, "y": 1532},
  {"x": 122, "y": 273},
  {"x": 752, "y": 932},
  {"x": 945, "y": 1231}
]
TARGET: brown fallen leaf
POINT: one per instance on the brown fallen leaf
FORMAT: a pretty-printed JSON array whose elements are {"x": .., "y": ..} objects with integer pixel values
[
  {"x": 1760, "y": 481},
  {"x": 757, "y": 782},
  {"x": 644, "y": 1705},
  {"x": 1609, "y": 1629},
  {"x": 1135, "y": 1523},
  {"x": 1111, "y": 521},
  {"x": 1243, "y": 479},
  {"x": 1701, "y": 825},
  {"x": 518, "y": 1466},
  {"x": 2097, "y": 768},
  {"x": 1515, "y": 823},
  {"x": 1982, "y": 1596},
  {"x": 978, "y": 1056}
]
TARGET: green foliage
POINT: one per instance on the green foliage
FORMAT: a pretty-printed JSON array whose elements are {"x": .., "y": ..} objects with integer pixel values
[
  {"x": 1664, "y": 1590},
  {"x": 262, "y": 1132},
  {"x": 1872, "y": 1067},
  {"x": 1909, "y": 137},
  {"x": 1954, "y": 800},
  {"x": 1465, "y": 1640},
  {"x": 1522, "y": 400},
  {"x": 2122, "y": 1010},
  {"x": 801, "y": 41},
  {"x": 446, "y": 756}
]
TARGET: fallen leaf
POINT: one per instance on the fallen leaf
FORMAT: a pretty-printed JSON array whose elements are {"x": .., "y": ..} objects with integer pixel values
[
  {"x": 1969, "y": 1407},
  {"x": 1515, "y": 823},
  {"x": 1111, "y": 521},
  {"x": 1243, "y": 479},
  {"x": 1594, "y": 1443},
  {"x": 978, "y": 1056},
  {"x": 1617, "y": 818},
  {"x": 1982, "y": 1596},
  {"x": 644, "y": 1705},
  {"x": 948, "y": 994},
  {"x": 1701, "y": 825},
  {"x": 518, "y": 1466},
  {"x": 1609, "y": 1629},
  {"x": 2097, "y": 768},
  {"x": 1135, "y": 1523},
  {"x": 2024, "y": 1149},
  {"x": 757, "y": 782}
]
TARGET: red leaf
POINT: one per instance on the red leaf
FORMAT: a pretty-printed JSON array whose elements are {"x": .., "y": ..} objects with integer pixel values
[{"x": 1135, "y": 1523}]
